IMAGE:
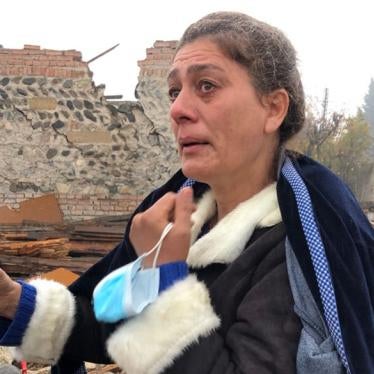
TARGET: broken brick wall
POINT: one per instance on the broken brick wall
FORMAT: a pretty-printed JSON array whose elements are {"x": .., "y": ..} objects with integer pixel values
[
  {"x": 59, "y": 135},
  {"x": 152, "y": 89},
  {"x": 34, "y": 61}
]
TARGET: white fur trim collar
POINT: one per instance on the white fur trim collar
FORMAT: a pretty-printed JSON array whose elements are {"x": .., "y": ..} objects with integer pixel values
[{"x": 225, "y": 241}]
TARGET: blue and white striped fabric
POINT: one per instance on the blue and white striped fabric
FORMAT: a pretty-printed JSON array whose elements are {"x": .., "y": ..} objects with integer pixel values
[
  {"x": 187, "y": 183},
  {"x": 318, "y": 255}
]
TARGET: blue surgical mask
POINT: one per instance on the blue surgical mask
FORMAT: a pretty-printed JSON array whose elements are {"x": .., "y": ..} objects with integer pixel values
[{"x": 128, "y": 290}]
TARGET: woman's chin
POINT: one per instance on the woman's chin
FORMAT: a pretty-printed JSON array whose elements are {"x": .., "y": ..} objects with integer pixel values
[{"x": 196, "y": 172}]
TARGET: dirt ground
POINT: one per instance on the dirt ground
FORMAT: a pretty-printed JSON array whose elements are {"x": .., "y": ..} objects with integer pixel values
[{"x": 5, "y": 356}]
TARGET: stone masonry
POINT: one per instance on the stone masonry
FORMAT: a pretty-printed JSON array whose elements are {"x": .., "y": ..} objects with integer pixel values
[{"x": 58, "y": 133}]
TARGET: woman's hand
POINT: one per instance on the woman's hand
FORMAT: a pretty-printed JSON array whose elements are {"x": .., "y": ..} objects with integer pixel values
[
  {"x": 10, "y": 292},
  {"x": 146, "y": 227}
]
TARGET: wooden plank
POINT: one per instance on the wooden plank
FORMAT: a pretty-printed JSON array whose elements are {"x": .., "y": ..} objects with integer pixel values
[
  {"x": 92, "y": 245},
  {"x": 99, "y": 230},
  {"x": 29, "y": 266},
  {"x": 88, "y": 252},
  {"x": 34, "y": 244},
  {"x": 98, "y": 239},
  {"x": 45, "y": 248}
]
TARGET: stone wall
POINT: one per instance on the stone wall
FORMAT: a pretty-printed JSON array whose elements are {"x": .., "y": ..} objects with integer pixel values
[
  {"x": 152, "y": 89},
  {"x": 59, "y": 134}
]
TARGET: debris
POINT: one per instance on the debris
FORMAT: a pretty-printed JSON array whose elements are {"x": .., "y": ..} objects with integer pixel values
[
  {"x": 32, "y": 249},
  {"x": 61, "y": 275},
  {"x": 44, "y": 209}
]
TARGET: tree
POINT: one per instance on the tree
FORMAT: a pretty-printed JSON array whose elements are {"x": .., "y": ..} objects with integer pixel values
[
  {"x": 342, "y": 144},
  {"x": 348, "y": 154},
  {"x": 319, "y": 127},
  {"x": 368, "y": 106}
]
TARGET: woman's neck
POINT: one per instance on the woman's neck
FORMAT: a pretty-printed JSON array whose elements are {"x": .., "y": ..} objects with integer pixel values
[
  {"x": 232, "y": 192},
  {"x": 240, "y": 185}
]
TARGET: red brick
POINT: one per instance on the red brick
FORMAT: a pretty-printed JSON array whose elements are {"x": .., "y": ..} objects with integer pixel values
[
  {"x": 49, "y": 72},
  {"x": 12, "y": 70},
  {"x": 61, "y": 72},
  {"x": 162, "y": 43},
  {"x": 168, "y": 50},
  {"x": 19, "y": 56},
  {"x": 27, "y": 70},
  {"x": 150, "y": 62},
  {"x": 38, "y": 70},
  {"x": 151, "y": 51},
  {"x": 60, "y": 58},
  {"x": 77, "y": 74},
  {"x": 73, "y": 52},
  {"x": 72, "y": 64},
  {"x": 30, "y": 46},
  {"x": 12, "y": 61},
  {"x": 160, "y": 56},
  {"x": 40, "y": 63},
  {"x": 51, "y": 52},
  {"x": 10, "y": 51},
  {"x": 56, "y": 63},
  {"x": 158, "y": 51},
  {"x": 34, "y": 52}
]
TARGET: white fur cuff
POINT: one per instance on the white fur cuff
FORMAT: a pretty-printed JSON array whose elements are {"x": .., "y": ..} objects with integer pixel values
[
  {"x": 149, "y": 343},
  {"x": 50, "y": 324}
]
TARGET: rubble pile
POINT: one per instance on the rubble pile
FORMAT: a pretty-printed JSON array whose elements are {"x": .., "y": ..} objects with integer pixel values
[{"x": 30, "y": 249}]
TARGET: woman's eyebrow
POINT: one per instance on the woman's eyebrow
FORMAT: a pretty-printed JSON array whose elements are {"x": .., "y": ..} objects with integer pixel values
[
  {"x": 198, "y": 68},
  {"x": 193, "y": 69}
]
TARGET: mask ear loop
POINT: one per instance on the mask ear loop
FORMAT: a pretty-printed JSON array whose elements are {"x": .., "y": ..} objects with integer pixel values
[
  {"x": 166, "y": 231},
  {"x": 158, "y": 245}
]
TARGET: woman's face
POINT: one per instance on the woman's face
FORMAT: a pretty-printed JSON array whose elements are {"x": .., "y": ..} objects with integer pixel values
[{"x": 217, "y": 117}]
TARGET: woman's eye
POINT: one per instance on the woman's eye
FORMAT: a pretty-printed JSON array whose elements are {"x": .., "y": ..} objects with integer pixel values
[
  {"x": 173, "y": 93},
  {"x": 206, "y": 86}
]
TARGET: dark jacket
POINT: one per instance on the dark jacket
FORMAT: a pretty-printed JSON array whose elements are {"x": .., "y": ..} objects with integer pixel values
[
  {"x": 258, "y": 330},
  {"x": 348, "y": 242}
]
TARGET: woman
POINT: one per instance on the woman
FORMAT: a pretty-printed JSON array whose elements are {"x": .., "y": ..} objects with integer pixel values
[{"x": 262, "y": 282}]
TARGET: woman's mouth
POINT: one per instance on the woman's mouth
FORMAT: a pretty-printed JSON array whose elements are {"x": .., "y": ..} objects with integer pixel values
[{"x": 191, "y": 146}]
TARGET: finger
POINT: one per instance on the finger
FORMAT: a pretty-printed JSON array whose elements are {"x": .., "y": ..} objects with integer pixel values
[
  {"x": 164, "y": 208},
  {"x": 161, "y": 212},
  {"x": 146, "y": 227},
  {"x": 184, "y": 207},
  {"x": 3, "y": 274}
]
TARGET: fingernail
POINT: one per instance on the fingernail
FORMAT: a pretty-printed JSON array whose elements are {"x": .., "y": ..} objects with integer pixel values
[{"x": 188, "y": 192}]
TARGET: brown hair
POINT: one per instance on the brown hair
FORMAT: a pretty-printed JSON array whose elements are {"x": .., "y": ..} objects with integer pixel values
[{"x": 264, "y": 51}]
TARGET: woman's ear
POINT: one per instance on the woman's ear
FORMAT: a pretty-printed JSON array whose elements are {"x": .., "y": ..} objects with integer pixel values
[{"x": 277, "y": 103}]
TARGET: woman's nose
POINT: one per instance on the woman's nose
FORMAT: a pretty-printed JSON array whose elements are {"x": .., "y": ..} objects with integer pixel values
[{"x": 183, "y": 108}]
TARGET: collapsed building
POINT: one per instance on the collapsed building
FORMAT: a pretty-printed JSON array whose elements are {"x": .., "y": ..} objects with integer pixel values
[{"x": 67, "y": 153}]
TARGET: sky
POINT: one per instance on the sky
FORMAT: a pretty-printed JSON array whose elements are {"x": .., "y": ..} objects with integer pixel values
[{"x": 333, "y": 39}]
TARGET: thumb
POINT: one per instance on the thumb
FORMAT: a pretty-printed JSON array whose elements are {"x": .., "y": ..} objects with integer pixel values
[{"x": 184, "y": 207}]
